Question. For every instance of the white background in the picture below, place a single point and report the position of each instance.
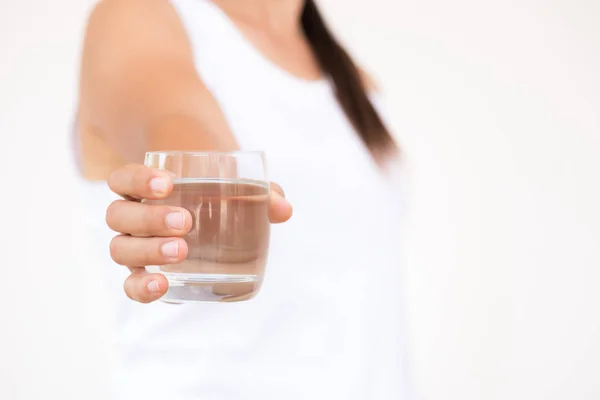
(498, 107)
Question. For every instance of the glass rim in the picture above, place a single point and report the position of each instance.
(233, 153)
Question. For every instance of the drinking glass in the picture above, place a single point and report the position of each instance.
(227, 195)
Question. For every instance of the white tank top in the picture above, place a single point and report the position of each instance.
(327, 323)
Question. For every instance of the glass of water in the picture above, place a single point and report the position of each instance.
(227, 195)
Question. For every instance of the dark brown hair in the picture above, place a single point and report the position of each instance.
(350, 87)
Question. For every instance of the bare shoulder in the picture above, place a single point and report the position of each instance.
(142, 10)
(128, 41)
(125, 25)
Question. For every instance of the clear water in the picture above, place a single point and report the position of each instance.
(228, 243)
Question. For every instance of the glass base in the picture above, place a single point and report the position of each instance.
(194, 288)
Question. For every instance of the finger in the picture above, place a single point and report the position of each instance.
(138, 219)
(129, 250)
(145, 287)
(280, 210)
(276, 188)
(140, 182)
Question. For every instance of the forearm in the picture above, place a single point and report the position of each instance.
(185, 133)
(172, 115)
(139, 88)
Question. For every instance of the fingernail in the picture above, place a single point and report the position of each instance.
(153, 287)
(170, 249)
(176, 220)
(159, 185)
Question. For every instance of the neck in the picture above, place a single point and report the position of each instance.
(279, 16)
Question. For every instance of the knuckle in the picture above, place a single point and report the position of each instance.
(112, 177)
(115, 176)
(140, 179)
(148, 254)
(114, 249)
(155, 219)
(145, 253)
(111, 212)
(128, 287)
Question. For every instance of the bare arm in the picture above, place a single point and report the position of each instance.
(140, 92)
(139, 84)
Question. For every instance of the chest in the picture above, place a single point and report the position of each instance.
(305, 135)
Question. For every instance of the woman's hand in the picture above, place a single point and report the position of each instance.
(151, 234)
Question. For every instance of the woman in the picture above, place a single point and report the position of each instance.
(253, 74)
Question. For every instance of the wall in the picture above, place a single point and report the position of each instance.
(498, 108)
(48, 348)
